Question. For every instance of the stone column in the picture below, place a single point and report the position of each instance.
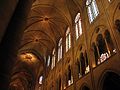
(11, 40)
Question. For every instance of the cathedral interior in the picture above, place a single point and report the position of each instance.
(59, 44)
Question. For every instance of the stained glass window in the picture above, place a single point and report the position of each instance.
(78, 26)
(68, 39)
(40, 79)
(60, 49)
(92, 9)
(53, 59)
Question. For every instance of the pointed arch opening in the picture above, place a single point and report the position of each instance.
(111, 81)
(78, 25)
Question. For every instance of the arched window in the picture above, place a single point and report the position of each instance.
(109, 43)
(48, 60)
(53, 59)
(60, 49)
(82, 65)
(78, 26)
(68, 39)
(92, 9)
(40, 79)
(103, 52)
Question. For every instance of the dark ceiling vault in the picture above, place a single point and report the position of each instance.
(47, 23)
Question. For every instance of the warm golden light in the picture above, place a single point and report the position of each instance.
(28, 57)
(93, 65)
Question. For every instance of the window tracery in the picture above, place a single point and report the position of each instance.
(92, 9)
(103, 47)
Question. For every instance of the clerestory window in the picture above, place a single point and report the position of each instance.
(92, 9)
(68, 39)
(78, 26)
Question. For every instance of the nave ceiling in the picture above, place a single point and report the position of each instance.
(47, 22)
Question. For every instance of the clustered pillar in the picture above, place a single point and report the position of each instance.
(11, 38)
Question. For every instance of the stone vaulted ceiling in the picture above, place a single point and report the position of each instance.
(47, 22)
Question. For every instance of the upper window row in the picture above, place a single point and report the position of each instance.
(68, 44)
(93, 12)
(92, 9)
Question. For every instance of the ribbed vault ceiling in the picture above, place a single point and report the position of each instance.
(47, 22)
